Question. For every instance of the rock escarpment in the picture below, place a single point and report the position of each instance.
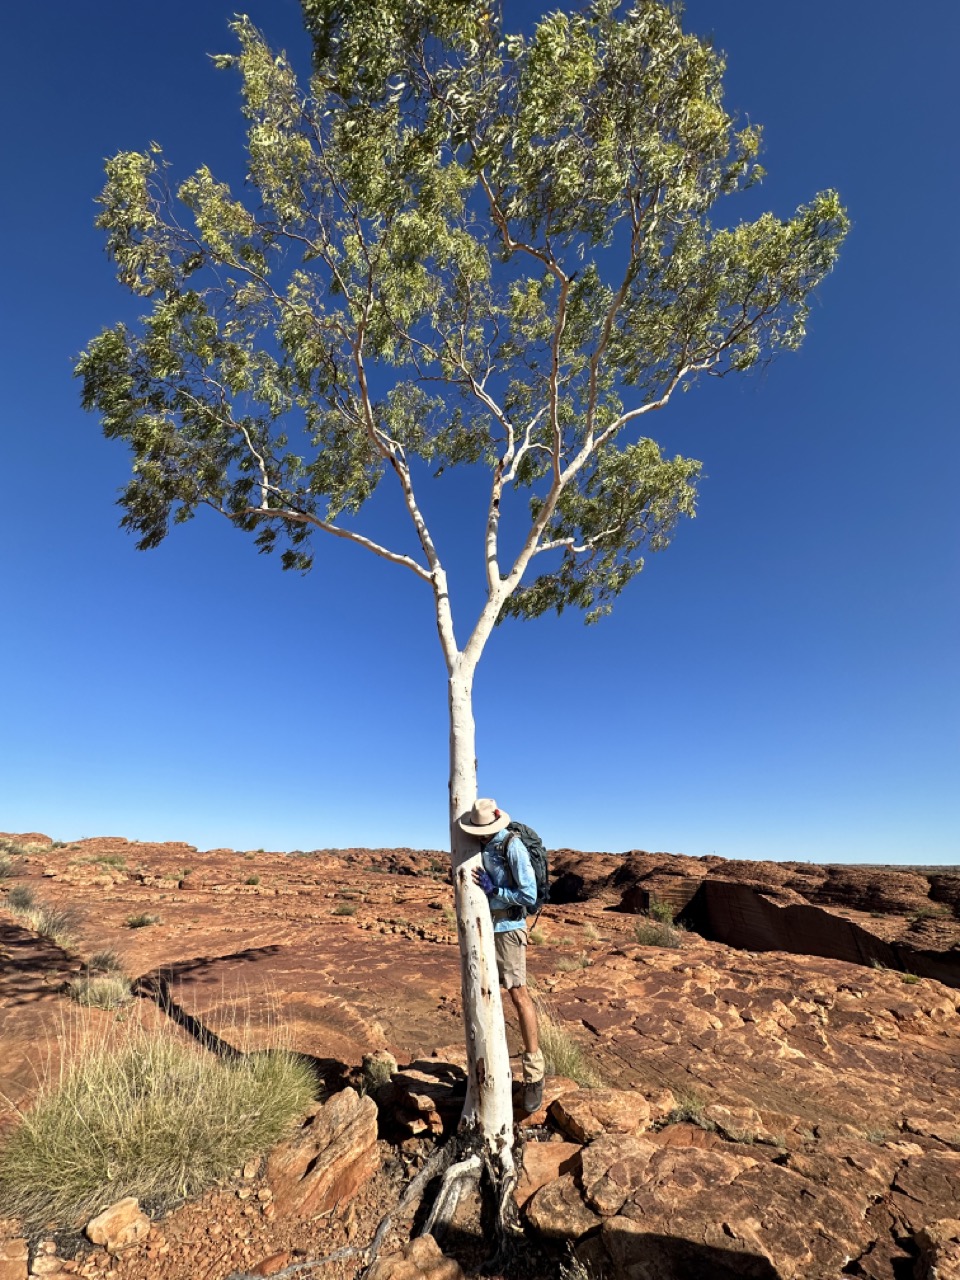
(898, 919)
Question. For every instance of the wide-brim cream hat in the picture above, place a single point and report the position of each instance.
(485, 819)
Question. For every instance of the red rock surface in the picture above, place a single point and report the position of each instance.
(790, 1111)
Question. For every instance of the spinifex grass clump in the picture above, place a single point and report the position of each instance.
(563, 1056)
(650, 932)
(149, 1115)
(56, 923)
(103, 984)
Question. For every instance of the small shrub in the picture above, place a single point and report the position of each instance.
(574, 1269)
(252, 880)
(377, 1071)
(567, 965)
(101, 991)
(929, 913)
(590, 933)
(450, 916)
(690, 1107)
(56, 923)
(655, 933)
(661, 911)
(345, 909)
(6, 865)
(876, 1135)
(562, 1054)
(141, 921)
(537, 937)
(147, 1116)
(909, 978)
(106, 961)
(20, 898)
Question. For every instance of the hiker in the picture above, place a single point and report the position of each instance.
(507, 878)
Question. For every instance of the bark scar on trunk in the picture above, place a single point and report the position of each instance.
(481, 1073)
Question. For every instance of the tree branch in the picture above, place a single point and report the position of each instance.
(305, 517)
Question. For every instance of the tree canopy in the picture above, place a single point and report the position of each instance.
(455, 246)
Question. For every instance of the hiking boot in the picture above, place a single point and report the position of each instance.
(533, 1096)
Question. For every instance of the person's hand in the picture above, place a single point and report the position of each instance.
(481, 878)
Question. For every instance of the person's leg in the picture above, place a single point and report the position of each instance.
(527, 1017)
(513, 967)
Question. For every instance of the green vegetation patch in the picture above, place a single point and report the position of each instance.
(650, 932)
(151, 1117)
(141, 921)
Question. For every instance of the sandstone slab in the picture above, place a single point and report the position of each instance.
(613, 1166)
(588, 1113)
(328, 1160)
(543, 1162)
(557, 1211)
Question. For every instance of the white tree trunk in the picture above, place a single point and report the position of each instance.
(489, 1103)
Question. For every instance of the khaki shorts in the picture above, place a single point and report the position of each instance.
(511, 947)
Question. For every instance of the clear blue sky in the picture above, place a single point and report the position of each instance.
(781, 683)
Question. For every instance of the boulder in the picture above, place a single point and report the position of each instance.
(588, 1113)
(939, 1245)
(330, 1158)
(120, 1227)
(557, 1211)
(542, 1163)
(420, 1259)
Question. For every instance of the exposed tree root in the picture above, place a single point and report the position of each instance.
(455, 1181)
(457, 1176)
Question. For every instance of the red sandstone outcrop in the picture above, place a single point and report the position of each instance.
(763, 1113)
(328, 1160)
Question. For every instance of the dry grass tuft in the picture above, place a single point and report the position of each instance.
(101, 990)
(650, 932)
(20, 898)
(562, 1054)
(141, 921)
(143, 1113)
(56, 923)
(106, 961)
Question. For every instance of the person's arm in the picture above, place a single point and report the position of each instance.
(523, 891)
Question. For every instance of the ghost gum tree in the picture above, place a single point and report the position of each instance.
(455, 247)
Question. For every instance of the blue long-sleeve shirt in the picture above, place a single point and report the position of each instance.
(507, 863)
